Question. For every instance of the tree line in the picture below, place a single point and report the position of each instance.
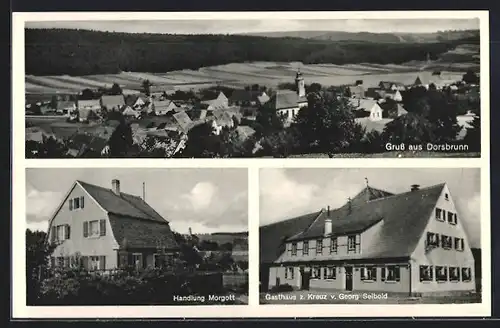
(84, 52)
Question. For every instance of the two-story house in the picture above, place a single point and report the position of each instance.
(412, 243)
(109, 229)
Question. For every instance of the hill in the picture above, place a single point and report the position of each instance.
(83, 52)
(374, 37)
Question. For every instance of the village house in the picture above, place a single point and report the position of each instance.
(109, 229)
(357, 91)
(112, 102)
(128, 111)
(367, 108)
(218, 103)
(162, 107)
(392, 86)
(287, 103)
(412, 243)
(160, 90)
(87, 106)
(65, 107)
(138, 101)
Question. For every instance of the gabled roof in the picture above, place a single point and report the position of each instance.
(112, 101)
(88, 103)
(363, 104)
(185, 123)
(122, 205)
(404, 218)
(284, 99)
(222, 117)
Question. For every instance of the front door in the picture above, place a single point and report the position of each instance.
(348, 278)
(305, 276)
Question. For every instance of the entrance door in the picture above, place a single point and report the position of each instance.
(348, 278)
(305, 276)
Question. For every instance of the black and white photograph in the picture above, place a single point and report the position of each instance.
(138, 236)
(370, 236)
(240, 88)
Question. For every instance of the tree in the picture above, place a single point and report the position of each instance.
(202, 142)
(282, 143)
(121, 140)
(314, 87)
(470, 77)
(146, 87)
(473, 136)
(116, 89)
(268, 119)
(88, 94)
(411, 128)
(443, 117)
(53, 102)
(49, 147)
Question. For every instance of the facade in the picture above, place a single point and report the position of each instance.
(369, 107)
(412, 243)
(112, 102)
(288, 102)
(86, 106)
(108, 229)
(162, 107)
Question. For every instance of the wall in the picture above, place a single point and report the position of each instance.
(440, 256)
(401, 286)
(97, 246)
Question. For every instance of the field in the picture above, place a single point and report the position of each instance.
(238, 75)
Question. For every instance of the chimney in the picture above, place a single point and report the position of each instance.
(328, 222)
(415, 187)
(190, 231)
(116, 186)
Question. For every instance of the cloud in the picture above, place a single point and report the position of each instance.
(34, 226)
(41, 204)
(471, 218)
(200, 197)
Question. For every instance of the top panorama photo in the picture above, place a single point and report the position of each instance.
(325, 88)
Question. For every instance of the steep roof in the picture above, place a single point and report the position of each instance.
(88, 103)
(286, 99)
(122, 205)
(185, 123)
(273, 236)
(112, 101)
(404, 217)
(363, 104)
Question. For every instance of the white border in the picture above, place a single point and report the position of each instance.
(19, 308)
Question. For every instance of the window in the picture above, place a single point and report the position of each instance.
(441, 273)
(444, 215)
(94, 263)
(455, 219)
(433, 239)
(315, 273)
(390, 273)
(446, 242)
(137, 260)
(451, 217)
(330, 272)
(438, 214)
(294, 248)
(333, 245)
(60, 233)
(369, 273)
(75, 203)
(446, 196)
(454, 274)
(351, 243)
(305, 249)
(94, 228)
(319, 246)
(466, 274)
(426, 273)
(459, 244)
(289, 273)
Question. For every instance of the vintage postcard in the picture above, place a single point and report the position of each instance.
(198, 87)
(383, 236)
(113, 236)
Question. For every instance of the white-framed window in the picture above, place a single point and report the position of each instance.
(454, 274)
(446, 242)
(137, 260)
(76, 203)
(333, 245)
(330, 272)
(391, 273)
(369, 273)
(61, 232)
(451, 218)
(426, 273)
(439, 215)
(319, 246)
(289, 273)
(315, 272)
(466, 274)
(432, 239)
(94, 228)
(351, 243)
(305, 247)
(459, 244)
(294, 248)
(441, 273)
(94, 263)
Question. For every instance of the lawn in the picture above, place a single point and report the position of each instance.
(317, 297)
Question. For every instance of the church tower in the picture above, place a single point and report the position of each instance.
(299, 83)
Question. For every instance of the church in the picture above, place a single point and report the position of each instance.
(288, 102)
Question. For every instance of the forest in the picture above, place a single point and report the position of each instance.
(85, 52)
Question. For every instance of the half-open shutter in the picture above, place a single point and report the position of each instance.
(70, 204)
(462, 244)
(397, 271)
(67, 231)
(382, 273)
(102, 227)
(53, 234)
(85, 229)
(82, 204)
(102, 262)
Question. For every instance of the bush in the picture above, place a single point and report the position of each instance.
(281, 288)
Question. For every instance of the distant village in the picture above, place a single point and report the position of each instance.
(162, 117)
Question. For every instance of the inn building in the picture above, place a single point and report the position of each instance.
(412, 243)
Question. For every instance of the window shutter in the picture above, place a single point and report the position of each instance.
(85, 229)
(374, 273)
(444, 215)
(102, 227)
(462, 246)
(102, 262)
(455, 218)
(81, 202)
(70, 204)
(68, 232)
(382, 273)
(85, 262)
(53, 234)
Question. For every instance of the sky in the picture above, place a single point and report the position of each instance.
(207, 200)
(304, 191)
(217, 26)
